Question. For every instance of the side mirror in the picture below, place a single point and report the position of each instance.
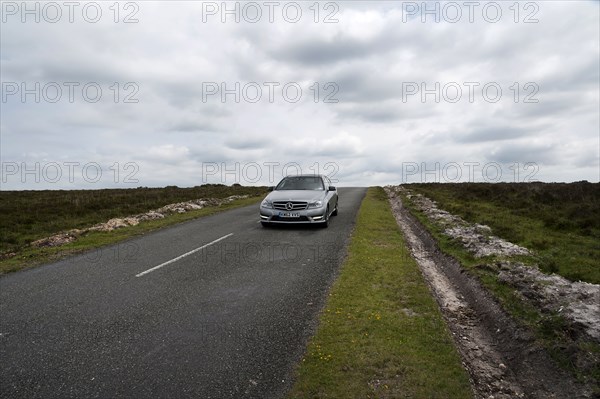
(270, 188)
(332, 188)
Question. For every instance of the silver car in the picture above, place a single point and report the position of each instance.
(300, 199)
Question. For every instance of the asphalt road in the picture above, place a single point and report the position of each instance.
(229, 320)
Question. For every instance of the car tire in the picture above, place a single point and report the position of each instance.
(265, 224)
(325, 224)
(335, 211)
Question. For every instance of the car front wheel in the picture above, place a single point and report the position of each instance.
(325, 224)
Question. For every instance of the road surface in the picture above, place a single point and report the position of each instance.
(217, 307)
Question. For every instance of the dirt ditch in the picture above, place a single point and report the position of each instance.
(578, 302)
(501, 357)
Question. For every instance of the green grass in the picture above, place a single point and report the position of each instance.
(489, 206)
(560, 222)
(27, 256)
(26, 216)
(381, 334)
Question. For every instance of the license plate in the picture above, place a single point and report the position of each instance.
(289, 215)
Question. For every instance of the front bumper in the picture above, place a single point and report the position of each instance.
(306, 216)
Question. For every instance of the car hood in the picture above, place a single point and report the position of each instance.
(297, 195)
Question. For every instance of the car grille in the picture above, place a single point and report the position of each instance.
(295, 205)
(289, 220)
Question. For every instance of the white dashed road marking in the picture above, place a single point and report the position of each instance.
(183, 256)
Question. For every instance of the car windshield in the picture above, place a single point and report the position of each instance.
(301, 183)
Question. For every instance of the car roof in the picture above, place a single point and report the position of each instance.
(314, 175)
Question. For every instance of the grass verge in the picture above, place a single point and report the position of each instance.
(26, 216)
(31, 256)
(381, 334)
(559, 221)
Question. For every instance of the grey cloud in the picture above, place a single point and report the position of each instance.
(246, 143)
(499, 133)
(524, 152)
(364, 84)
(587, 158)
(320, 52)
(331, 153)
(383, 112)
(371, 114)
(193, 126)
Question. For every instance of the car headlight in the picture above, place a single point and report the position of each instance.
(315, 204)
(266, 203)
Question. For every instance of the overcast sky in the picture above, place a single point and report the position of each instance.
(389, 92)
